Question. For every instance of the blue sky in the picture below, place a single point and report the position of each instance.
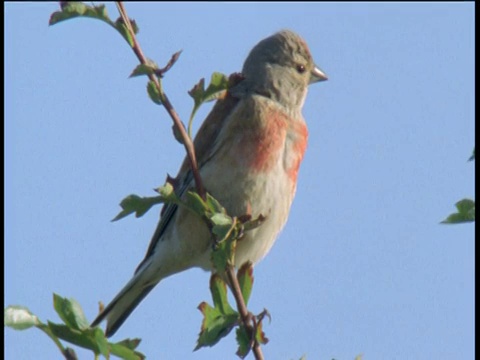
(363, 265)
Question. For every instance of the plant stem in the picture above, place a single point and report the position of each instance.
(187, 141)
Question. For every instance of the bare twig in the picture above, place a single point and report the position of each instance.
(187, 142)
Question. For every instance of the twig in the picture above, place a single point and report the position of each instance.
(187, 142)
(242, 309)
(173, 60)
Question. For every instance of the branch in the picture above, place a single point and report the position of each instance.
(245, 315)
(186, 140)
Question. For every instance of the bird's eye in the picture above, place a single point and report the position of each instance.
(301, 69)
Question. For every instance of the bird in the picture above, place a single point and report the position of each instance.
(249, 150)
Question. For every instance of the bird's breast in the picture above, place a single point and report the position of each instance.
(276, 145)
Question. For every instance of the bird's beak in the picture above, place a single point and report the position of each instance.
(317, 75)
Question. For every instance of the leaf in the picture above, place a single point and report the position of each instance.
(466, 213)
(215, 326)
(85, 338)
(214, 205)
(70, 312)
(245, 280)
(219, 320)
(154, 93)
(132, 344)
(138, 205)
(471, 158)
(122, 28)
(244, 342)
(259, 334)
(195, 203)
(167, 192)
(125, 349)
(177, 133)
(465, 205)
(144, 69)
(95, 340)
(101, 341)
(223, 253)
(218, 84)
(222, 226)
(218, 289)
(19, 318)
(73, 9)
(216, 88)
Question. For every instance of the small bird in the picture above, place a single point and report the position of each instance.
(249, 151)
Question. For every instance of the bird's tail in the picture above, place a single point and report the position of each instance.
(122, 305)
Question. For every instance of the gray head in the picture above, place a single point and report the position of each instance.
(281, 68)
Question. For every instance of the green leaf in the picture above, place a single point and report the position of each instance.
(219, 320)
(144, 69)
(131, 344)
(83, 338)
(465, 205)
(167, 192)
(154, 93)
(138, 205)
(222, 226)
(125, 349)
(101, 341)
(466, 213)
(245, 280)
(177, 133)
(259, 334)
(218, 84)
(219, 219)
(19, 318)
(471, 158)
(214, 205)
(215, 325)
(70, 312)
(223, 253)
(95, 340)
(218, 289)
(244, 342)
(195, 203)
(73, 9)
(123, 30)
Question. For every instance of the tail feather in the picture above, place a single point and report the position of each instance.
(120, 308)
